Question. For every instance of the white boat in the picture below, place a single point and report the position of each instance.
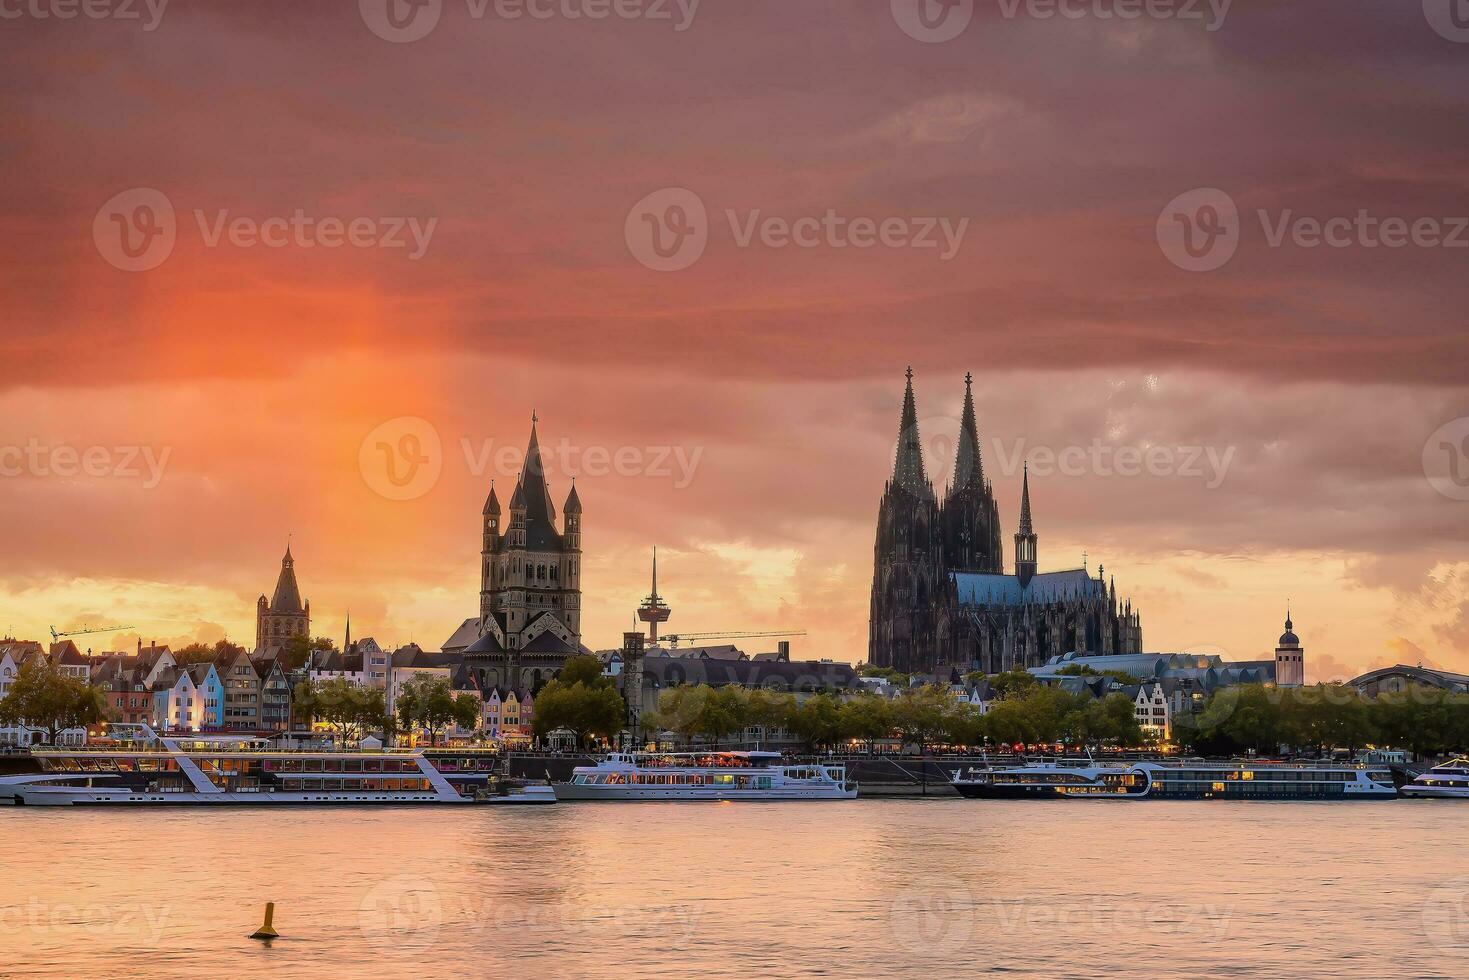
(1179, 780)
(149, 769)
(710, 776)
(1446, 781)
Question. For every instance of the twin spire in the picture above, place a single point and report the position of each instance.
(908, 469)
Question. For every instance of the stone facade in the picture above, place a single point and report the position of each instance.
(530, 583)
(940, 597)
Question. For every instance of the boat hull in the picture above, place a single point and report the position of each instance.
(697, 794)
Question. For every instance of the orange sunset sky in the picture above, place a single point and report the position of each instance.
(752, 397)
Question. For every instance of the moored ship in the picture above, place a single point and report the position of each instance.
(708, 776)
(145, 768)
(1446, 781)
(1184, 780)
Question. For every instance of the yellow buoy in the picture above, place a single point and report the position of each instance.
(266, 930)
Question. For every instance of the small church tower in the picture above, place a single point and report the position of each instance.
(1290, 658)
(284, 615)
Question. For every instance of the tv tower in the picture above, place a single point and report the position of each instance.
(654, 610)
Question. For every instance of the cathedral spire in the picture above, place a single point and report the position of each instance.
(908, 463)
(1025, 539)
(968, 464)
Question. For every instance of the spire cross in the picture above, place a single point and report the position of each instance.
(910, 372)
(968, 378)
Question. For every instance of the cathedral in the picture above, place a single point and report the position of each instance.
(941, 599)
(529, 620)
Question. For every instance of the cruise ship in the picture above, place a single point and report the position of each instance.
(710, 776)
(1446, 781)
(143, 768)
(1185, 780)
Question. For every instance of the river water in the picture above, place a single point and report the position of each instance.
(872, 888)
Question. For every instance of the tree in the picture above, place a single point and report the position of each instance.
(583, 669)
(350, 710)
(45, 697)
(925, 715)
(1012, 682)
(298, 649)
(866, 718)
(586, 707)
(430, 703)
(818, 721)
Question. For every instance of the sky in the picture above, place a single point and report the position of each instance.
(280, 271)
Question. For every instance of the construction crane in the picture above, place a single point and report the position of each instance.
(675, 638)
(55, 636)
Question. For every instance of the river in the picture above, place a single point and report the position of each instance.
(871, 888)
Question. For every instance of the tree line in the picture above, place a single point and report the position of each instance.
(924, 717)
(1257, 718)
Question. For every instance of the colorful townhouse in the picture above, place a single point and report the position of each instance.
(241, 690)
(178, 704)
(211, 690)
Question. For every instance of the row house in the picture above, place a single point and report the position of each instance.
(507, 714)
(241, 684)
(211, 693)
(178, 704)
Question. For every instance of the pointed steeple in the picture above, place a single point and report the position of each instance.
(573, 502)
(347, 642)
(1025, 540)
(968, 463)
(908, 470)
(287, 598)
(1025, 522)
(492, 503)
(533, 494)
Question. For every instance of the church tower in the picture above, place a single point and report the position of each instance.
(969, 517)
(1025, 539)
(907, 579)
(530, 582)
(284, 615)
(1290, 658)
